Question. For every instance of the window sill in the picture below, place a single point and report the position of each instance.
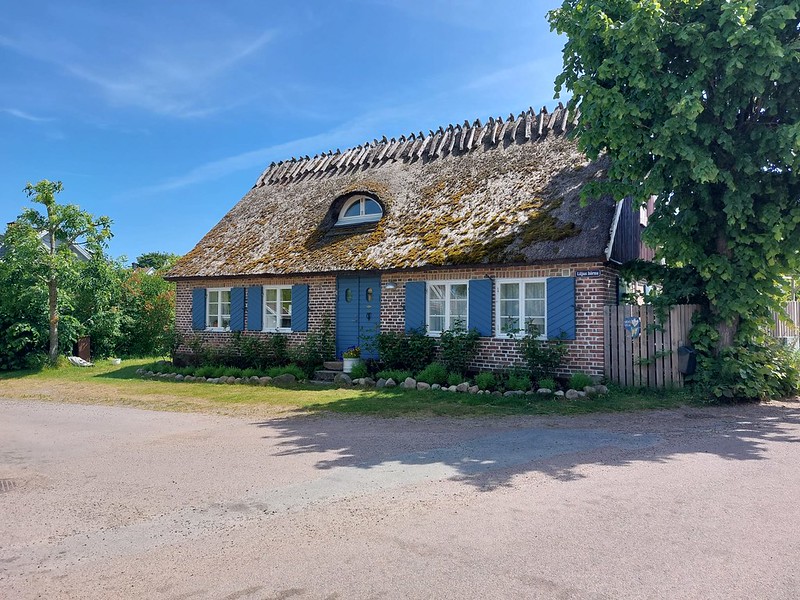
(218, 329)
(278, 330)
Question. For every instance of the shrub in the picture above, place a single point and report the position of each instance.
(458, 348)
(542, 357)
(433, 373)
(751, 372)
(295, 370)
(232, 372)
(411, 351)
(316, 348)
(454, 378)
(397, 375)
(548, 383)
(486, 381)
(578, 381)
(359, 370)
(518, 382)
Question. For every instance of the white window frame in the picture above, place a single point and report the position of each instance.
(219, 314)
(361, 218)
(522, 316)
(279, 314)
(447, 316)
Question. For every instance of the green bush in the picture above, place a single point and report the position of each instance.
(486, 381)
(397, 375)
(548, 383)
(751, 372)
(579, 380)
(454, 378)
(359, 370)
(518, 382)
(317, 347)
(433, 373)
(295, 370)
(458, 348)
(542, 357)
(232, 372)
(411, 351)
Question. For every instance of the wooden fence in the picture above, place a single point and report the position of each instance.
(647, 355)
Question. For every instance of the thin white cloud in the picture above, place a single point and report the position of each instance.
(176, 80)
(21, 114)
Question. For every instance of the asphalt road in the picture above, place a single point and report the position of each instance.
(105, 502)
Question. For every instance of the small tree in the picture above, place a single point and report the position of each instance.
(160, 261)
(63, 226)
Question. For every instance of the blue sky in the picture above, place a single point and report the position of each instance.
(162, 115)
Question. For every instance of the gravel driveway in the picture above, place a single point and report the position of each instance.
(106, 502)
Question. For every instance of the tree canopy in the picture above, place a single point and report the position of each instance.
(697, 103)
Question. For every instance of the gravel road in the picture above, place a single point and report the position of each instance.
(108, 502)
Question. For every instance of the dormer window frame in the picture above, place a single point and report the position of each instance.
(363, 216)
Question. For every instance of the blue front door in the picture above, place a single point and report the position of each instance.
(358, 311)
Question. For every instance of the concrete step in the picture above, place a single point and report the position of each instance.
(325, 375)
(333, 365)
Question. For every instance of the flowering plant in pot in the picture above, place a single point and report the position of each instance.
(350, 357)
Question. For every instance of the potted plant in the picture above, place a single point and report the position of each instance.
(350, 357)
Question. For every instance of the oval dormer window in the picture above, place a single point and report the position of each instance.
(360, 209)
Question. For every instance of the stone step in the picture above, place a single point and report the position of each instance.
(333, 365)
(325, 375)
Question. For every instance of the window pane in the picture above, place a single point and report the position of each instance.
(436, 324)
(509, 325)
(536, 325)
(270, 295)
(286, 294)
(270, 321)
(459, 291)
(436, 308)
(354, 210)
(535, 289)
(371, 207)
(225, 296)
(226, 320)
(437, 291)
(509, 291)
(213, 296)
(534, 308)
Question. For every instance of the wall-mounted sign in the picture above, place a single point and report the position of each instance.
(633, 325)
(587, 273)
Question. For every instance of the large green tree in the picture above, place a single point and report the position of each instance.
(63, 226)
(697, 102)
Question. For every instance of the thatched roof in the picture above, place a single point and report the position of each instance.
(499, 192)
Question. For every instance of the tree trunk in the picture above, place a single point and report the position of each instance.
(53, 293)
(726, 329)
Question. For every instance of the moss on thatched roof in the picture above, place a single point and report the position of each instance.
(499, 192)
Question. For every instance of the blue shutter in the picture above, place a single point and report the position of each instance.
(237, 309)
(561, 308)
(199, 308)
(480, 306)
(300, 307)
(415, 305)
(255, 308)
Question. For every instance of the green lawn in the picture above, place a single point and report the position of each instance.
(119, 385)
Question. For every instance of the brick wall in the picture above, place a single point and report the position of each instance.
(585, 352)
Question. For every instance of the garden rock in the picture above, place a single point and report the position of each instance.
(339, 379)
(452, 388)
(530, 393)
(410, 383)
(436, 386)
(285, 379)
(238, 380)
(462, 387)
(590, 389)
(582, 394)
(380, 383)
(369, 382)
(390, 383)
(601, 389)
(510, 393)
(572, 395)
(473, 389)
(421, 385)
(544, 391)
(178, 377)
(498, 393)
(558, 393)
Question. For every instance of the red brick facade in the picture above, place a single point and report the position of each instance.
(585, 352)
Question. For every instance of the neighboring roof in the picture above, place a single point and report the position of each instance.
(80, 252)
(499, 192)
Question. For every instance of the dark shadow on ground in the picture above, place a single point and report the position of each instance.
(488, 452)
(126, 372)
